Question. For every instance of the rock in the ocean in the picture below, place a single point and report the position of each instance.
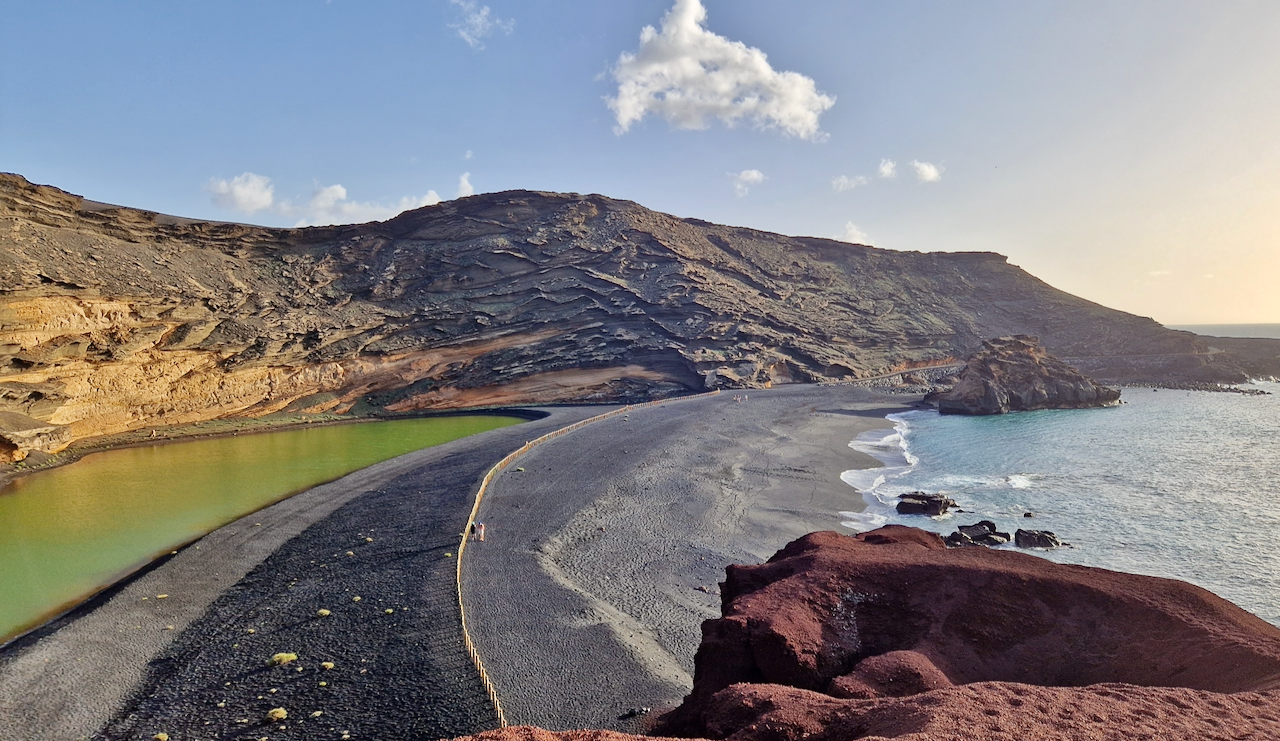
(922, 503)
(1015, 374)
(981, 533)
(1036, 539)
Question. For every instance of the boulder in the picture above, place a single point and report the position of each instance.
(1015, 373)
(981, 533)
(922, 503)
(1036, 539)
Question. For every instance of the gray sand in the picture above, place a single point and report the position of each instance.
(603, 555)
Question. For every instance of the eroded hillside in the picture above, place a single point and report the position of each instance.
(114, 319)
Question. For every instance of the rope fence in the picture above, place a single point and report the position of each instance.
(475, 511)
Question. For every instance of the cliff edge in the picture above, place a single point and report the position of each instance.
(892, 635)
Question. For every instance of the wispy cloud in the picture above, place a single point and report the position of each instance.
(927, 172)
(250, 193)
(843, 182)
(853, 234)
(478, 22)
(888, 169)
(687, 75)
(743, 181)
(464, 186)
(247, 192)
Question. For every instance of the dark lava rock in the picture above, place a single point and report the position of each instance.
(981, 533)
(921, 503)
(1036, 539)
(1012, 374)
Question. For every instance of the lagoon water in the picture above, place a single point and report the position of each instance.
(1175, 484)
(67, 532)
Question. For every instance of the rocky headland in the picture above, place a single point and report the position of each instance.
(114, 319)
(891, 634)
(1016, 374)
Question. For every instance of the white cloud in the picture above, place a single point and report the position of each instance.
(888, 169)
(928, 173)
(743, 181)
(329, 205)
(468, 155)
(250, 193)
(853, 234)
(842, 183)
(246, 192)
(687, 74)
(464, 186)
(478, 22)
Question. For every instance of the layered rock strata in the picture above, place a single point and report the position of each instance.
(115, 319)
(1016, 374)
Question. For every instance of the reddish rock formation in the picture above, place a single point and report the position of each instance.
(839, 637)
(1015, 374)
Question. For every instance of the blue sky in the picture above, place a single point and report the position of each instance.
(1126, 152)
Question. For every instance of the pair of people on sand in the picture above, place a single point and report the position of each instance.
(477, 531)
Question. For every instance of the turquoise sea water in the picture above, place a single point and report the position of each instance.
(1176, 484)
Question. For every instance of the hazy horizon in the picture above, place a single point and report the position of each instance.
(1123, 154)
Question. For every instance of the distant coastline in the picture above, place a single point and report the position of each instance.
(1268, 331)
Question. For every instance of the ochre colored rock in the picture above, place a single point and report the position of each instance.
(1016, 374)
(840, 637)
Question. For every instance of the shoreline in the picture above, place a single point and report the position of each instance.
(233, 426)
(71, 608)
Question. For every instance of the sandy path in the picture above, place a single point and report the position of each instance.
(604, 554)
(119, 660)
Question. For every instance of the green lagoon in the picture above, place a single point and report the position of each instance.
(68, 532)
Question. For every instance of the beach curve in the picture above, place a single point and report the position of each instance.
(605, 546)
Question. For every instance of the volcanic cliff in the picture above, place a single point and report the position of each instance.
(115, 319)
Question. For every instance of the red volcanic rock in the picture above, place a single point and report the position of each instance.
(531, 733)
(838, 637)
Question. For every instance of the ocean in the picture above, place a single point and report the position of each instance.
(1177, 484)
(1271, 331)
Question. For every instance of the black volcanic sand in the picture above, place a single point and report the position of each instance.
(144, 665)
(603, 555)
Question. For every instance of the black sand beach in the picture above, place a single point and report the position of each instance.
(576, 624)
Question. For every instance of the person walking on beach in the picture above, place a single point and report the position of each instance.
(481, 531)
(473, 530)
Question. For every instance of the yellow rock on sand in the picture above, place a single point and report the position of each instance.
(323, 612)
(161, 737)
(277, 714)
(326, 665)
(282, 658)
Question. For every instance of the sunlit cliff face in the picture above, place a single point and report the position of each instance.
(113, 320)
